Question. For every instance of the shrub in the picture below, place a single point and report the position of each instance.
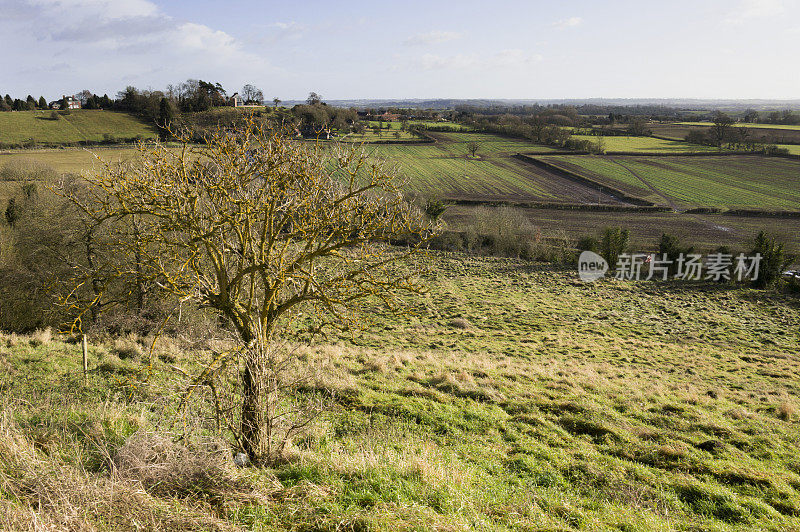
(613, 243)
(27, 170)
(773, 260)
(434, 208)
(587, 243)
(508, 231)
(669, 245)
(12, 212)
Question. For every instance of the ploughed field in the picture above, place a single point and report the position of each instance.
(706, 232)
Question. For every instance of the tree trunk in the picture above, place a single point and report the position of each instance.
(253, 414)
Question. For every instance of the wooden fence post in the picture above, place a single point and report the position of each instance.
(85, 349)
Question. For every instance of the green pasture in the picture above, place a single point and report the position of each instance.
(721, 181)
(514, 398)
(643, 144)
(22, 127)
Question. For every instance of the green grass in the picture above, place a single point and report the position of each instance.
(729, 181)
(514, 399)
(446, 168)
(70, 160)
(77, 126)
(426, 123)
(644, 144)
(371, 136)
(794, 149)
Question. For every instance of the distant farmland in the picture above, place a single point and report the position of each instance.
(40, 127)
(685, 182)
(705, 232)
(771, 133)
(644, 144)
(446, 169)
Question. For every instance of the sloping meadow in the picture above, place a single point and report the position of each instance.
(515, 397)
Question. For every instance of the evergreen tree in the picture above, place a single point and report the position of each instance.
(166, 114)
(8, 100)
(42, 103)
(30, 103)
(3, 105)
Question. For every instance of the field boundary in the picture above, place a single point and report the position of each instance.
(583, 180)
(596, 207)
(744, 213)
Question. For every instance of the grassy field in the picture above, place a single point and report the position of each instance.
(644, 144)
(446, 169)
(71, 160)
(794, 149)
(768, 133)
(685, 182)
(515, 399)
(78, 126)
(442, 169)
(425, 123)
(371, 136)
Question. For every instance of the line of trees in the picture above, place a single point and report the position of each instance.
(28, 104)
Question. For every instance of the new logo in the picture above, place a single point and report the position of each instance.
(591, 266)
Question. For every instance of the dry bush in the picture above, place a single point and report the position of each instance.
(49, 495)
(460, 323)
(41, 337)
(462, 384)
(787, 411)
(128, 347)
(167, 469)
(27, 170)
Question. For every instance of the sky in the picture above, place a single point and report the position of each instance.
(381, 49)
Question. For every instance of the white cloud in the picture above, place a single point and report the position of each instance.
(570, 22)
(747, 10)
(432, 37)
(103, 9)
(510, 58)
(105, 41)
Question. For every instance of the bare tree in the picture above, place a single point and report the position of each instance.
(84, 96)
(262, 229)
(252, 94)
(313, 98)
(722, 126)
(473, 147)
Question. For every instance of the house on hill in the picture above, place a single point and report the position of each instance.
(71, 102)
(238, 101)
(390, 117)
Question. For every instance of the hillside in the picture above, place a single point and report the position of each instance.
(40, 128)
(516, 398)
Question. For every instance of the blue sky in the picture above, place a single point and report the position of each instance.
(411, 49)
